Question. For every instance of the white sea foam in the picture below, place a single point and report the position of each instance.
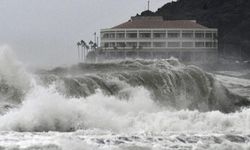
(12, 71)
(46, 110)
(100, 121)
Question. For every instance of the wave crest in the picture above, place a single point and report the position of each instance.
(14, 80)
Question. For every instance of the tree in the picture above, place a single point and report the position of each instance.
(87, 47)
(91, 44)
(78, 48)
(94, 46)
(83, 44)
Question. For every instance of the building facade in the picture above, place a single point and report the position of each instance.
(153, 37)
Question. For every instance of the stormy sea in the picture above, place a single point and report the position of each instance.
(122, 105)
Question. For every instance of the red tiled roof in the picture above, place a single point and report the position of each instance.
(158, 22)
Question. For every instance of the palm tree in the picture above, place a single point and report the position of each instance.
(91, 44)
(87, 47)
(87, 50)
(94, 46)
(83, 44)
(78, 48)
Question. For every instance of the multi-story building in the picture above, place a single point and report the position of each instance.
(153, 37)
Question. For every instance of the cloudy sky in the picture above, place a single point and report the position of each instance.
(44, 32)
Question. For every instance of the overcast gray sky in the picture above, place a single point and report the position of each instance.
(44, 32)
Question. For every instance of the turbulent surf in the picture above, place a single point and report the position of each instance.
(130, 104)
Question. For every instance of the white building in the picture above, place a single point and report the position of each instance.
(153, 37)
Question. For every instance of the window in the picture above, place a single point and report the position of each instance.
(159, 35)
(173, 35)
(121, 44)
(145, 35)
(120, 35)
(199, 35)
(209, 35)
(144, 44)
(209, 44)
(187, 34)
(131, 35)
(106, 45)
(112, 44)
(108, 35)
(132, 44)
(199, 44)
(159, 44)
(105, 35)
(187, 44)
(173, 44)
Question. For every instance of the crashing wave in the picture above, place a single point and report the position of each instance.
(170, 83)
(117, 96)
(14, 81)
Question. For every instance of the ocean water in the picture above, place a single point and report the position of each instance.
(124, 105)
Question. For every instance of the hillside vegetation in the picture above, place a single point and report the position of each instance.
(231, 17)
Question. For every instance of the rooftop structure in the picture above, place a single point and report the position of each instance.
(153, 37)
(158, 23)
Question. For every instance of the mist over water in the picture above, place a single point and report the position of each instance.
(134, 104)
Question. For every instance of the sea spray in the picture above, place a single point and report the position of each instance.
(169, 83)
(112, 96)
(47, 110)
(135, 104)
(14, 80)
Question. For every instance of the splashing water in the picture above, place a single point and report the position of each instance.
(136, 104)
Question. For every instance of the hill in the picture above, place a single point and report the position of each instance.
(231, 17)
